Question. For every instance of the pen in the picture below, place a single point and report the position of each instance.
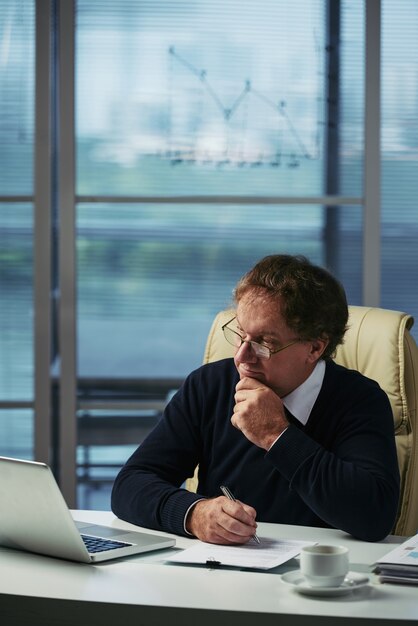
(228, 493)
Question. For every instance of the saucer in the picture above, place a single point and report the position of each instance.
(352, 581)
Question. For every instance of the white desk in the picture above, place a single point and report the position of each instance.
(145, 590)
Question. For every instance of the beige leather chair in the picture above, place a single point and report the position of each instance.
(378, 344)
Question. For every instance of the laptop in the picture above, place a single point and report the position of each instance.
(35, 518)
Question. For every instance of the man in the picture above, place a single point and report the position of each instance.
(297, 438)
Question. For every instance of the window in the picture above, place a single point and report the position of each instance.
(206, 134)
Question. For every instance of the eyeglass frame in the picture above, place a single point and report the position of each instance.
(255, 343)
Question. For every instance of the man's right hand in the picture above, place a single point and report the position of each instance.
(220, 520)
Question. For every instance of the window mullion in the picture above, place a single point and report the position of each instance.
(67, 276)
(371, 215)
(42, 234)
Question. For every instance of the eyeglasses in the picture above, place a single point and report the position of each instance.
(260, 350)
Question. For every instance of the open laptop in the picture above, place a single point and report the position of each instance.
(34, 517)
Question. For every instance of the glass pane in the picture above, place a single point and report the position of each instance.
(350, 252)
(152, 277)
(106, 438)
(400, 156)
(351, 98)
(16, 433)
(16, 312)
(17, 79)
(200, 97)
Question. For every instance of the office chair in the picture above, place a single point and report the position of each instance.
(379, 345)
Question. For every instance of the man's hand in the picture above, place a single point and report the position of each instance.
(220, 520)
(258, 412)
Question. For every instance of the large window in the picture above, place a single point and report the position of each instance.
(205, 135)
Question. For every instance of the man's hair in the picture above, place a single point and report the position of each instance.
(313, 302)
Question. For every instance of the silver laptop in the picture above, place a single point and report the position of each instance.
(34, 517)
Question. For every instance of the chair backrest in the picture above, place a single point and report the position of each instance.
(379, 345)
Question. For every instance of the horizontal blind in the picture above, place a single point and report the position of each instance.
(17, 35)
(17, 80)
(400, 156)
(187, 98)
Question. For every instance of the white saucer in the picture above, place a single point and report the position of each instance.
(352, 581)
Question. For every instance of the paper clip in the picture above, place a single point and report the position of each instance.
(211, 562)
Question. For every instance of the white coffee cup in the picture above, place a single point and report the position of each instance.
(324, 565)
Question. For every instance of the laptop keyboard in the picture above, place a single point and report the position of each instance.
(99, 544)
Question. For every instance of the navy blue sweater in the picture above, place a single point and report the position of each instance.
(340, 470)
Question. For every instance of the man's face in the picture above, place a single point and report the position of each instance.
(259, 319)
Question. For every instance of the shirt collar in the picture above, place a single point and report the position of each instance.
(301, 400)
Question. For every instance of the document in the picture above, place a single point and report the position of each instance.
(265, 555)
(400, 564)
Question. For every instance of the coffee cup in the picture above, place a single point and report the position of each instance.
(324, 565)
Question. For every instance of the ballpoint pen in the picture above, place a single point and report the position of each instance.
(228, 493)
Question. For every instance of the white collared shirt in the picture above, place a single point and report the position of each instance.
(301, 400)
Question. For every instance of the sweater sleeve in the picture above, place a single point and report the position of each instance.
(148, 489)
(350, 479)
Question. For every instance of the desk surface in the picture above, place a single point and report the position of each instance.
(145, 589)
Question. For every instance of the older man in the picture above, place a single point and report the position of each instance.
(297, 438)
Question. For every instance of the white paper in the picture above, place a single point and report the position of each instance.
(265, 555)
(404, 554)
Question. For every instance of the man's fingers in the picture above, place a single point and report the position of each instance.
(248, 383)
(220, 520)
(238, 523)
(239, 511)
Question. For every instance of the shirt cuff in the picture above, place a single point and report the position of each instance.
(277, 439)
(187, 513)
